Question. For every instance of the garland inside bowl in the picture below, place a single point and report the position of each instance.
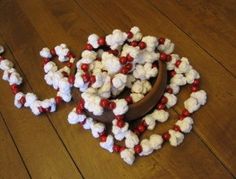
(108, 65)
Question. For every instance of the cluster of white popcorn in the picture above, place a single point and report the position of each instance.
(109, 80)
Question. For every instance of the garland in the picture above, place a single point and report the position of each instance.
(108, 65)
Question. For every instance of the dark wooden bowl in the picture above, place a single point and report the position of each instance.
(142, 107)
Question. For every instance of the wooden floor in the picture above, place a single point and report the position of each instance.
(48, 147)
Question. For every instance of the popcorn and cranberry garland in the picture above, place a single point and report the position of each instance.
(128, 60)
(58, 78)
(107, 66)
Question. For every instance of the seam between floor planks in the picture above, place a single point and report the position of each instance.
(12, 139)
(205, 50)
(203, 141)
(47, 116)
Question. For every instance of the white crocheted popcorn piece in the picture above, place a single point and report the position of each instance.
(17, 102)
(145, 72)
(119, 133)
(6, 64)
(93, 40)
(136, 97)
(65, 96)
(53, 78)
(74, 118)
(176, 137)
(7, 73)
(185, 124)
(175, 88)
(146, 86)
(116, 39)
(200, 95)
(137, 35)
(49, 104)
(105, 90)
(139, 72)
(149, 57)
(150, 121)
(49, 78)
(137, 87)
(119, 81)
(97, 129)
(87, 54)
(35, 106)
(167, 47)
(108, 144)
(96, 67)
(30, 98)
(142, 87)
(15, 78)
(146, 147)
(121, 107)
(128, 156)
(50, 66)
(178, 79)
(88, 123)
(171, 64)
(133, 52)
(62, 51)
(45, 53)
(184, 66)
(160, 115)
(150, 71)
(191, 104)
(151, 42)
(191, 75)
(110, 63)
(92, 103)
(172, 99)
(131, 139)
(156, 141)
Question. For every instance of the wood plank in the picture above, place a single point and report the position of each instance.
(85, 155)
(38, 143)
(11, 164)
(211, 24)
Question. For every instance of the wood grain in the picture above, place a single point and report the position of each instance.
(10, 160)
(30, 26)
(211, 24)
